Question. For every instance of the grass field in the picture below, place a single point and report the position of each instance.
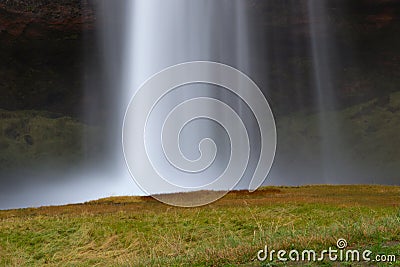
(139, 231)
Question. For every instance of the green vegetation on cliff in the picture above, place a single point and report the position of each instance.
(31, 138)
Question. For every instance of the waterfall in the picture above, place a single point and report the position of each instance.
(160, 34)
(323, 53)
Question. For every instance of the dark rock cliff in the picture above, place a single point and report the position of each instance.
(38, 19)
(43, 51)
(45, 47)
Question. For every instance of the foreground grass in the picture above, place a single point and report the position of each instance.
(138, 231)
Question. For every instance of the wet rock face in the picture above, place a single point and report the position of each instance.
(43, 52)
(45, 46)
(41, 18)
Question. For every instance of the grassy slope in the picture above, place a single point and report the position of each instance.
(364, 140)
(32, 138)
(135, 231)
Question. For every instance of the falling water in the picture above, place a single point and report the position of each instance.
(143, 37)
(160, 34)
(324, 56)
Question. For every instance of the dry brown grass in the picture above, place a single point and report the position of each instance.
(139, 231)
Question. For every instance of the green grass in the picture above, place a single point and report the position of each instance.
(139, 231)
